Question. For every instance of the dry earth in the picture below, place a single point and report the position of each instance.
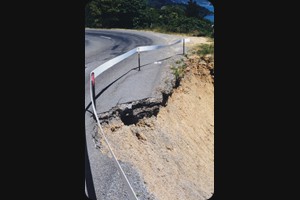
(174, 151)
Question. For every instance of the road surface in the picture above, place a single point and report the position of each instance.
(125, 84)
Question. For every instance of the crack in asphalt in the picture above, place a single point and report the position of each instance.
(107, 182)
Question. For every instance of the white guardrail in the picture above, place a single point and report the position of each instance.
(96, 72)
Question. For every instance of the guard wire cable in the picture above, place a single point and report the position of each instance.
(100, 69)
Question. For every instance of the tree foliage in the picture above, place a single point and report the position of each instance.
(139, 14)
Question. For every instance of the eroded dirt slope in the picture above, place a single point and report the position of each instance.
(174, 151)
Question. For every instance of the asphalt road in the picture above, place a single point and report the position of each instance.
(125, 84)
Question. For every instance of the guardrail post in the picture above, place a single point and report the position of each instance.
(183, 41)
(100, 69)
(139, 59)
(93, 88)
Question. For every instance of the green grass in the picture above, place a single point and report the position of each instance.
(178, 62)
(178, 71)
(205, 49)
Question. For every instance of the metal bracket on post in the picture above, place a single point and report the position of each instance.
(93, 88)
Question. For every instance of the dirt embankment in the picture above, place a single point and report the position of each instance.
(174, 151)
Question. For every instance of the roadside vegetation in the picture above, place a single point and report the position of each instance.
(161, 16)
(205, 49)
(178, 71)
(201, 51)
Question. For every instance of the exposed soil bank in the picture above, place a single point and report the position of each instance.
(171, 144)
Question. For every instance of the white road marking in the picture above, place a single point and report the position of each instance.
(106, 37)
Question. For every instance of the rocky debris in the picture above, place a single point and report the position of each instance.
(170, 139)
(132, 112)
(141, 136)
(169, 147)
(202, 66)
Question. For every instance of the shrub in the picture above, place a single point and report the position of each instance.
(206, 49)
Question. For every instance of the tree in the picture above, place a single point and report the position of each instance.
(102, 13)
(130, 12)
(136, 14)
(192, 9)
(114, 13)
(93, 14)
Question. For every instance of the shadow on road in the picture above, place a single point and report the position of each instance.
(88, 174)
(135, 68)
